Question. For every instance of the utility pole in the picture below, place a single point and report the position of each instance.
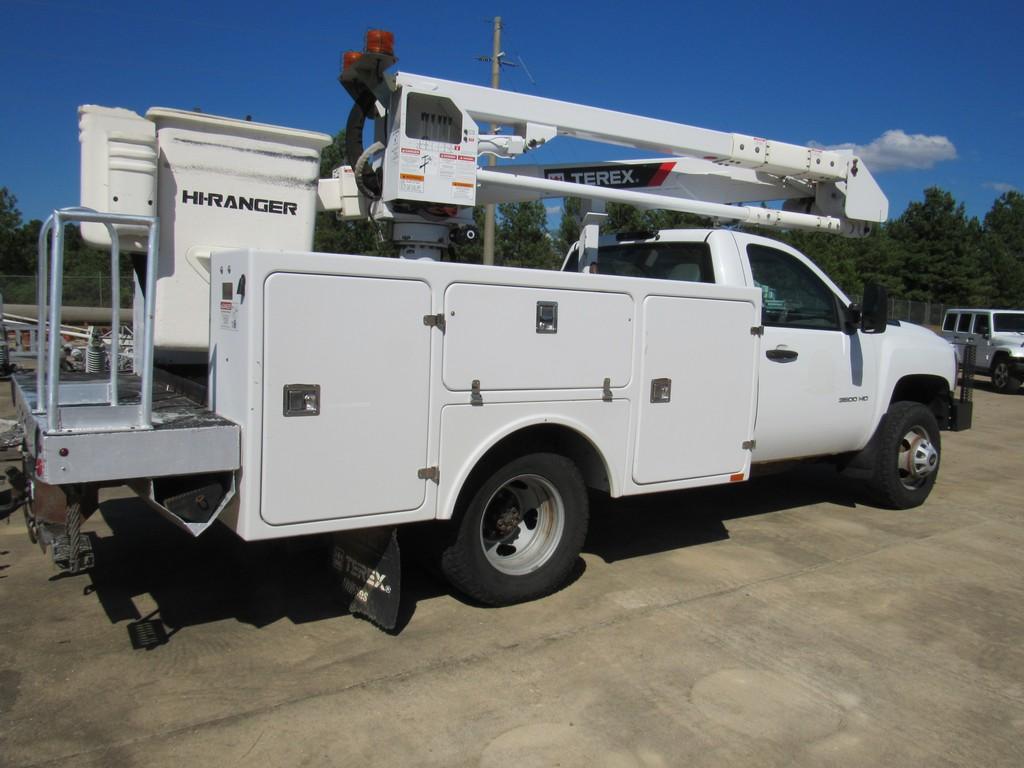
(492, 160)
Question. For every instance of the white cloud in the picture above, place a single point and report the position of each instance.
(1000, 186)
(553, 210)
(896, 150)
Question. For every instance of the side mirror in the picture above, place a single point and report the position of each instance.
(874, 309)
(853, 317)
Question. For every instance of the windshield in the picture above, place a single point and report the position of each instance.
(667, 261)
(1008, 322)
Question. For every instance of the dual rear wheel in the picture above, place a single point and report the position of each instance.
(521, 533)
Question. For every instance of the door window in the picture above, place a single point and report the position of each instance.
(981, 324)
(792, 295)
(1010, 322)
(950, 323)
(964, 326)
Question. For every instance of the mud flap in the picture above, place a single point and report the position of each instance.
(961, 411)
(369, 572)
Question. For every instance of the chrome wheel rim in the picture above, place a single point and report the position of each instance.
(917, 458)
(522, 524)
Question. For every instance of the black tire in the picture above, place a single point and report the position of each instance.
(1003, 380)
(907, 456)
(519, 536)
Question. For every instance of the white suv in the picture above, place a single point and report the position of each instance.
(998, 338)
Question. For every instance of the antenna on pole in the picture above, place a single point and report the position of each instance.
(527, 71)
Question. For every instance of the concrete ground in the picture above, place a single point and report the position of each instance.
(784, 622)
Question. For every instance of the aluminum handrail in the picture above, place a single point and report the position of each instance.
(48, 361)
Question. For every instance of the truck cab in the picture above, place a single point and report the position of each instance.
(825, 377)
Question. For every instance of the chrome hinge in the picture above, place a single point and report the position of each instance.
(475, 398)
(429, 473)
(435, 321)
(749, 445)
(606, 391)
(757, 330)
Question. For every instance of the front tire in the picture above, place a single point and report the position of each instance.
(1003, 381)
(907, 459)
(521, 533)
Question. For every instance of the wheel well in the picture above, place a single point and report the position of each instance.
(997, 357)
(932, 391)
(550, 438)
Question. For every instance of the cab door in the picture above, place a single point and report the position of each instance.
(964, 336)
(817, 384)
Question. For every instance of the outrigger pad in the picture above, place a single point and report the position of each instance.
(369, 568)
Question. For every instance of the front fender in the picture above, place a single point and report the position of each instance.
(909, 352)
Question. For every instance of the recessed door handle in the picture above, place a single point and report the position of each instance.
(781, 355)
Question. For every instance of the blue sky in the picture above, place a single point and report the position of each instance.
(931, 92)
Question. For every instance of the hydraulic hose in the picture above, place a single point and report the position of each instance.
(367, 179)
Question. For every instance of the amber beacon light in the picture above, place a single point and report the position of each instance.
(380, 41)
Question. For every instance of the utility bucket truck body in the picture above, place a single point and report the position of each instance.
(346, 394)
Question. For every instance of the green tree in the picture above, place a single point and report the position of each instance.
(1003, 241)
(570, 225)
(626, 218)
(522, 238)
(941, 250)
(13, 258)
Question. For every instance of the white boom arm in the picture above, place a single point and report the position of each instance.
(831, 176)
(431, 144)
(628, 130)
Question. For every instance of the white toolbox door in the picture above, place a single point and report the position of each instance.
(363, 342)
(497, 334)
(707, 354)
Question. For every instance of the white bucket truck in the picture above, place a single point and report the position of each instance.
(348, 394)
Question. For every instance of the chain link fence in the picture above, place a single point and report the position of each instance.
(928, 313)
(79, 291)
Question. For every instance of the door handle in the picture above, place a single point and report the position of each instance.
(781, 355)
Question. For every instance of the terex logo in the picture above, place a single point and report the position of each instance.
(238, 202)
(618, 176)
(614, 178)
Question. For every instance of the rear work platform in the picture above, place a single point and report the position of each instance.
(182, 462)
(185, 438)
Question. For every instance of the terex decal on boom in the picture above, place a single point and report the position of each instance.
(619, 176)
(240, 202)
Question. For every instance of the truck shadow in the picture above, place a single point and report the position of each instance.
(643, 525)
(217, 576)
(195, 581)
(985, 385)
